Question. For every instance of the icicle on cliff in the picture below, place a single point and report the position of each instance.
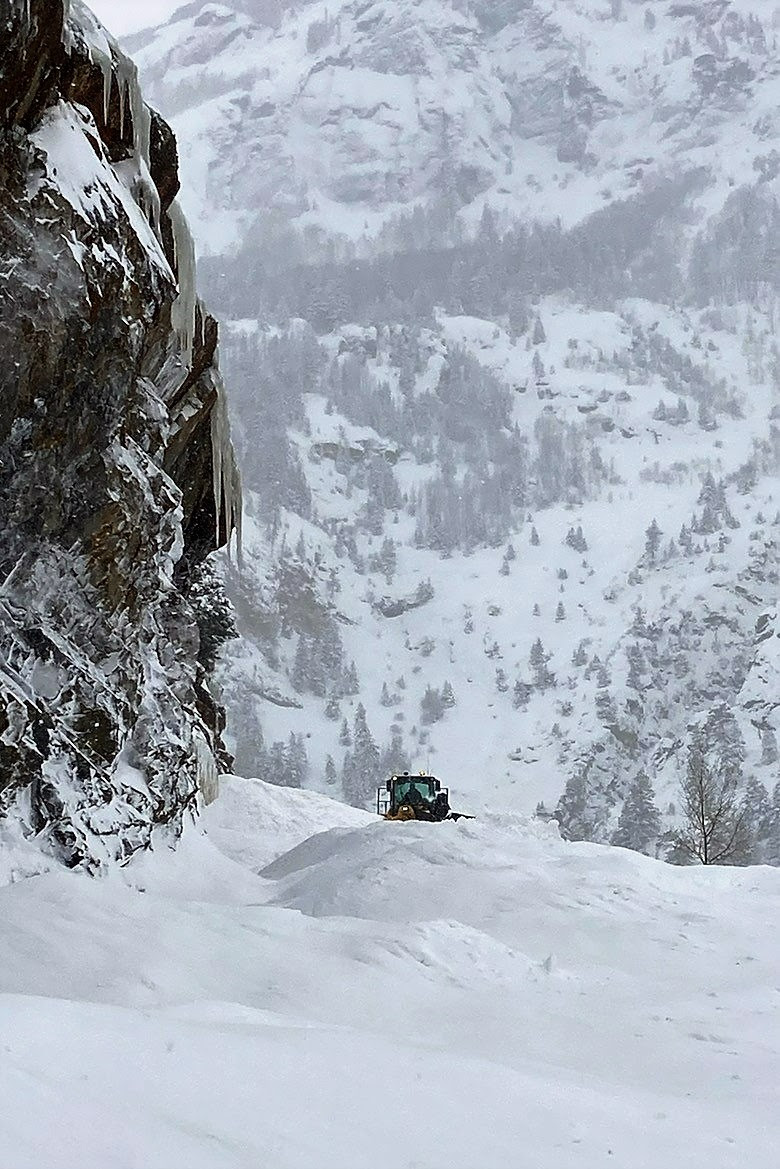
(117, 476)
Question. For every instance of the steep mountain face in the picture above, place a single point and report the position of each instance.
(113, 448)
(341, 117)
(504, 286)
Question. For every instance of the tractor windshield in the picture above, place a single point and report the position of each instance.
(423, 786)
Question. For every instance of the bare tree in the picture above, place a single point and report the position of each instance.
(715, 829)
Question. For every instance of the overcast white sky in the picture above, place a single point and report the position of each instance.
(125, 16)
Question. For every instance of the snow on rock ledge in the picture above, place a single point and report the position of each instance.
(113, 444)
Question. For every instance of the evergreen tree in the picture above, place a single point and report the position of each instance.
(345, 738)
(362, 770)
(723, 741)
(772, 845)
(537, 367)
(639, 822)
(327, 655)
(685, 540)
(576, 540)
(276, 765)
(395, 759)
(330, 771)
(758, 818)
(769, 752)
(432, 706)
(560, 612)
(518, 315)
(652, 541)
(448, 695)
(301, 664)
(350, 684)
(521, 694)
(636, 668)
(296, 761)
(639, 624)
(332, 708)
(534, 537)
(580, 655)
(537, 660)
(574, 812)
(213, 613)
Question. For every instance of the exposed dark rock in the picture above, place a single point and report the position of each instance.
(397, 606)
(112, 419)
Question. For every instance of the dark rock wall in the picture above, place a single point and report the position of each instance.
(111, 412)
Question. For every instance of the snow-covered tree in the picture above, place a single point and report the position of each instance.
(213, 613)
(575, 811)
(576, 540)
(639, 823)
(543, 678)
(653, 541)
(432, 706)
(296, 761)
(362, 765)
(580, 655)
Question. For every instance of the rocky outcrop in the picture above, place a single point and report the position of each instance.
(113, 448)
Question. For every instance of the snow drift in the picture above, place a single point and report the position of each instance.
(456, 995)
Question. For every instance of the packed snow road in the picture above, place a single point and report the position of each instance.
(477, 995)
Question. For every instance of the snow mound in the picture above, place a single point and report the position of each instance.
(253, 822)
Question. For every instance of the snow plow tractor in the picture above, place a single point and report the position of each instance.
(415, 797)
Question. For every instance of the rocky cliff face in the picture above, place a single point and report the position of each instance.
(113, 448)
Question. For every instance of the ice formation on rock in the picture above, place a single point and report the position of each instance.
(183, 310)
(110, 492)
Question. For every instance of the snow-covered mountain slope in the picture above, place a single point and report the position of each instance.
(641, 643)
(503, 281)
(473, 995)
(344, 114)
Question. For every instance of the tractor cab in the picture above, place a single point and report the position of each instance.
(413, 797)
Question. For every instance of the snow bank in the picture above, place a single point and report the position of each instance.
(254, 822)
